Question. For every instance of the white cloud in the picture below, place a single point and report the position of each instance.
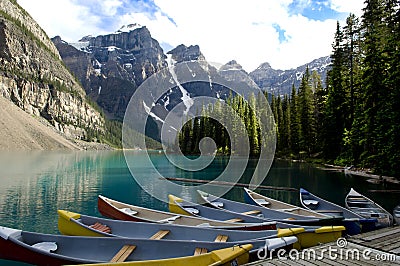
(109, 7)
(348, 6)
(224, 29)
(62, 17)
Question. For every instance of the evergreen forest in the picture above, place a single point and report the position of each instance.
(353, 120)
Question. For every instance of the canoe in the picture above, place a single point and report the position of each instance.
(308, 236)
(225, 257)
(396, 214)
(367, 208)
(123, 211)
(46, 249)
(254, 198)
(265, 214)
(354, 223)
(70, 223)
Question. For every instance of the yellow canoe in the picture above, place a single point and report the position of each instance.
(236, 255)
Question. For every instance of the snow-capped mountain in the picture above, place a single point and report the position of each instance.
(111, 68)
(279, 82)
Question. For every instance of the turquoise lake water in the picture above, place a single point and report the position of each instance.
(34, 185)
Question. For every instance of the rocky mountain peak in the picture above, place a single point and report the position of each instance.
(280, 82)
(264, 66)
(112, 66)
(86, 38)
(129, 27)
(183, 53)
(232, 65)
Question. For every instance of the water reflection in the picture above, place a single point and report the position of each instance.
(34, 185)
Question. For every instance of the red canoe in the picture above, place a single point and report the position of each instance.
(122, 211)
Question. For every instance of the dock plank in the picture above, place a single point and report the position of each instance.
(380, 235)
(384, 242)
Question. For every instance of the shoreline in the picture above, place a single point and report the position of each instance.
(370, 177)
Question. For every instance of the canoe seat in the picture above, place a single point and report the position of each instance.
(170, 219)
(311, 202)
(128, 211)
(101, 227)
(192, 210)
(262, 202)
(217, 204)
(160, 234)
(356, 197)
(221, 238)
(252, 212)
(358, 201)
(234, 220)
(46, 246)
(123, 253)
(199, 251)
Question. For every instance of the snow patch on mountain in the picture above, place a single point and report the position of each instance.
(150, 113)
(129, 27)
(187, 100)
(81, 46)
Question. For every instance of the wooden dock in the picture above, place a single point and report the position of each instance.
(380, 247)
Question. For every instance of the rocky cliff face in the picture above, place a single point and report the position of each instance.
(34, 78)
(279, 82)
(112, 66)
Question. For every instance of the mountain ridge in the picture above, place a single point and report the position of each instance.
(279, 82)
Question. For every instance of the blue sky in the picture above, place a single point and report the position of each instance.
(285, 33)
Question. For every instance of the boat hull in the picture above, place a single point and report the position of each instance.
(238, 254)
(46, 249)
(322, 235)
(108, 210)
(368, 209)
(265, 214)
(11, 251)
(251, 197)
(307, 236)
(396, 214)
(225, 257)
(75, 224)
(354, 223)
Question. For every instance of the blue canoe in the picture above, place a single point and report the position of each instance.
(368, 209)
(354, 223)
(267, 214)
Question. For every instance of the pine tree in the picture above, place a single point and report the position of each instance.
(294, 123)
(391, 147)
(286, 134)
(306, 115)
(375, 63)
(319, 101)
(335, 108)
